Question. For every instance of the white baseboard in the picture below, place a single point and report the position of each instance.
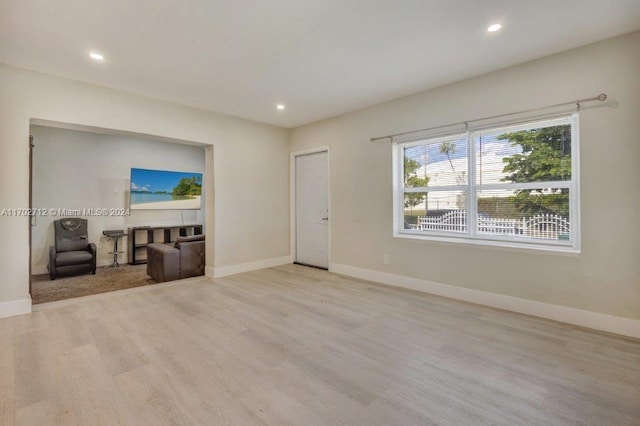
(223, 271)
(209, 271)
(15, 307)
(594, 320)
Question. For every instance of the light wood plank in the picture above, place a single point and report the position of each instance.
(296, 345)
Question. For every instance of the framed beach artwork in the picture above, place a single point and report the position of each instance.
(165, 190)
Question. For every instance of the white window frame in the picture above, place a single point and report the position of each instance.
(471, 189)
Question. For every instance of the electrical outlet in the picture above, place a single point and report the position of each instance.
(385, 259)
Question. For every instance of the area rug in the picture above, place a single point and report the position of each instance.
(106, 279)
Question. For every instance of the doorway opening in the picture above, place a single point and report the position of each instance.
(85, 173)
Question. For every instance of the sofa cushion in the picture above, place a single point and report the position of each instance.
(75, 243)
(70, 234)
(192, 261)
(73, 258)
(163, 262)
(189, 239)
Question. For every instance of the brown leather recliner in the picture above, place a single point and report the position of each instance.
(184, 259)
(72, 253)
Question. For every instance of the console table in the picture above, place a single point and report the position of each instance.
(141, 236)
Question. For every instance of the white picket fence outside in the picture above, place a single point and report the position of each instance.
(544, 226)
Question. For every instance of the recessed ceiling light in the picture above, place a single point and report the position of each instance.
(493, 28)
(96, 56)
(280, 107)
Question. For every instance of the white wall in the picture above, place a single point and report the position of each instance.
(604, 278)
(247, 219)
(83, 170)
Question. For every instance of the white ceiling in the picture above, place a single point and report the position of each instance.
(319, 57)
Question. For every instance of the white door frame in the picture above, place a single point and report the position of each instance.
(292, 197)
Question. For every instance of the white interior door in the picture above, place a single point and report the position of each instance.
(312, 209)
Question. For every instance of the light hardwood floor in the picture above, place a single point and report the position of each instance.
(300, 346)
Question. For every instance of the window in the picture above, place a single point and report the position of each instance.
(511, 186)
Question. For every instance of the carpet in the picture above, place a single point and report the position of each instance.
(106, 279)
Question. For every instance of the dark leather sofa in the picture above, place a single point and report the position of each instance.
(72, 253)
(183, 259)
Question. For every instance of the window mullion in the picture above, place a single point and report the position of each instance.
(526, 185)
(472, 205)
(398, 190)
(574, 192)
(414, 189)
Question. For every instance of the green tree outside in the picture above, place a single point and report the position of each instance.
(412, 180)
(546, 156)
